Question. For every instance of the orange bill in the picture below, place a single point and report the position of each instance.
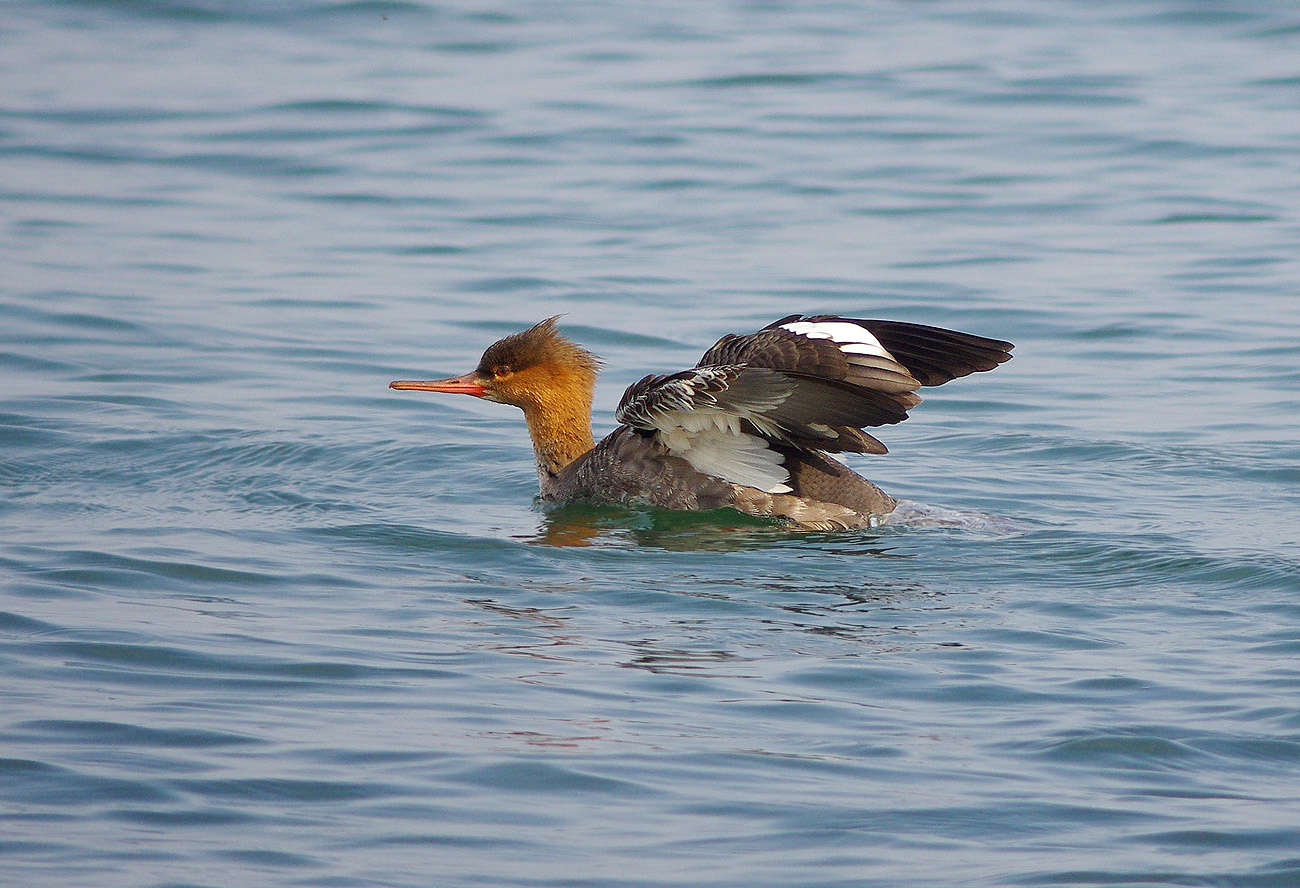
(468, 384)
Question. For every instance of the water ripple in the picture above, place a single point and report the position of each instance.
(265, 621)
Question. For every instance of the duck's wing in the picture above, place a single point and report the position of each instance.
(863, 352)
(804, 383)
(717, 419)
(854, 373)
(932, 355)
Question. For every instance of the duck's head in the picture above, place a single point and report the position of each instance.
(538, 369)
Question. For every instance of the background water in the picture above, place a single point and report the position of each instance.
(265, 622)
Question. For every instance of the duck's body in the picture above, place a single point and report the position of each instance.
(632, 469)
(748, 428)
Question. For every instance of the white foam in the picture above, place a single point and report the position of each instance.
(912, 514)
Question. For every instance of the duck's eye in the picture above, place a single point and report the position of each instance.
(500, 371)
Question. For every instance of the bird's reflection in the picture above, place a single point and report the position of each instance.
(722, 530)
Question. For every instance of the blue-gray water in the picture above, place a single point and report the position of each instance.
(265, 622)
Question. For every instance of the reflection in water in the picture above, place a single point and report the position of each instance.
(548, 741)
(725, 530)
(653, 655)
(721, 530)
(792, 607)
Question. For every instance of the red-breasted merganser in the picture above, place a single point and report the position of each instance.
(748, 428)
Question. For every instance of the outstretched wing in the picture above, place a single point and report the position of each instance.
(806, 383)
(932, 355)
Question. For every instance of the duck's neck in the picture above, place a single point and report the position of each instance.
(561, 432)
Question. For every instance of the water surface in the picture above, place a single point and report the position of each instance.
(263, 621)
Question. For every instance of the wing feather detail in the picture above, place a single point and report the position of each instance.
(716, 418)
(932, 354)
(809, 383)
(848, 377)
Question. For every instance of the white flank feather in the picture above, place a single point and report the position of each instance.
(740, 459)
(851, 338)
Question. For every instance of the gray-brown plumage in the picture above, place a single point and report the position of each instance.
(747, 428)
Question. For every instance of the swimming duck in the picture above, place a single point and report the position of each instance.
(750, 427)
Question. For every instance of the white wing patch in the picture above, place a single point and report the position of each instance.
(714, 449)
(850, 338)
(707, 417)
